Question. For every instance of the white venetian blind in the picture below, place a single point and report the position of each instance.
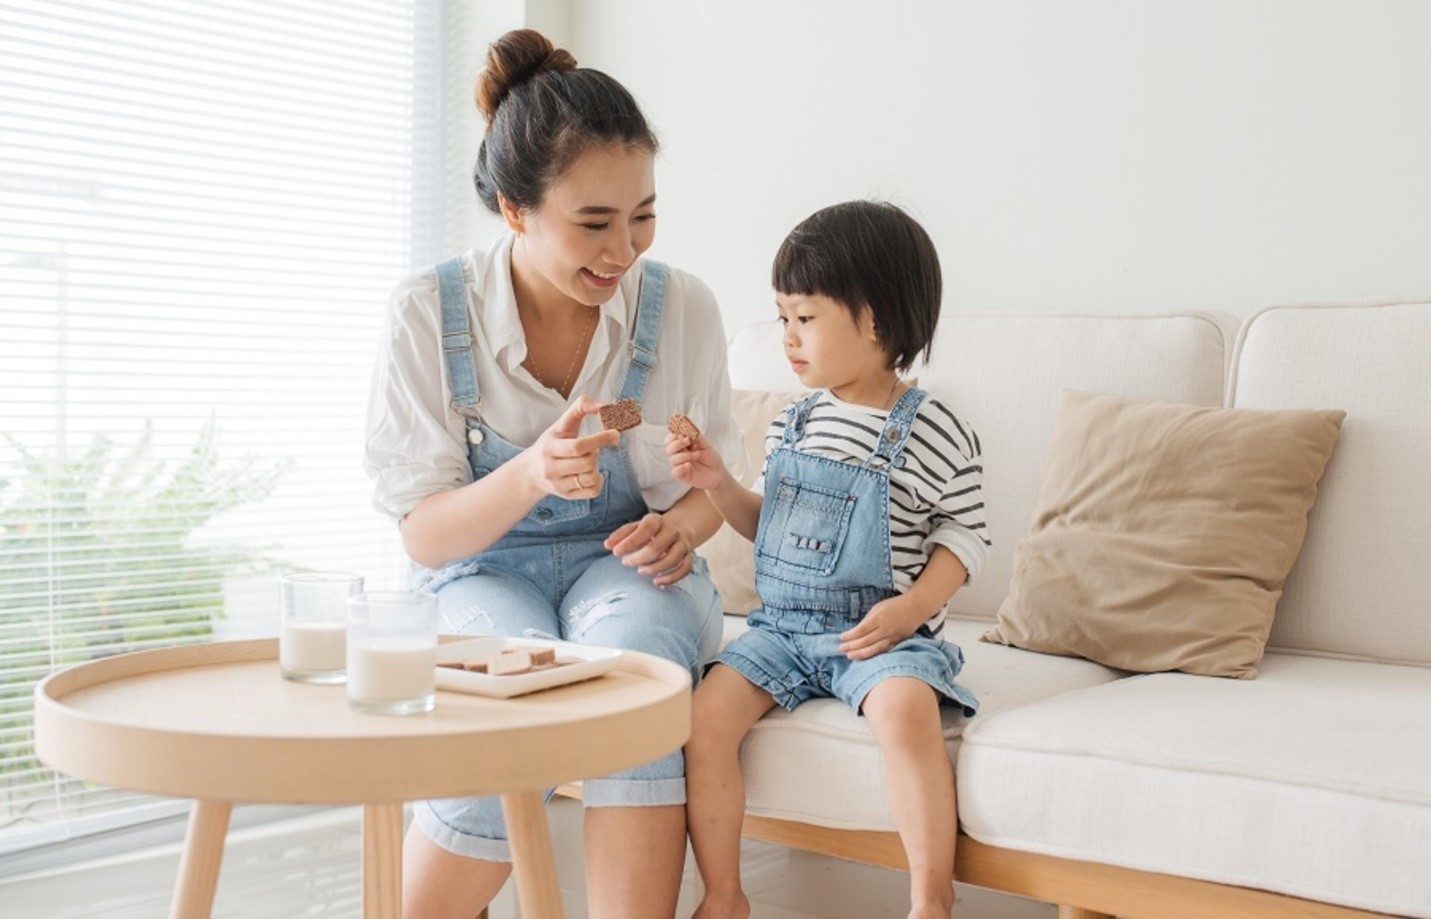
(203, 207)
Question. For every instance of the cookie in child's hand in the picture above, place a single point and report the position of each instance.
(620, 415)
(682, 426)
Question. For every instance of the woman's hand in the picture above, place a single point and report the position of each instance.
(886, 624)
(565, 464)
(654, 545)
(697, 463)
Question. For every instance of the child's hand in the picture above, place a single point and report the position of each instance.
(697, 463)
(886, 624)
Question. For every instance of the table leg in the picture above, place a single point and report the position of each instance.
(199, 864)
(382, 861)
(532, 858)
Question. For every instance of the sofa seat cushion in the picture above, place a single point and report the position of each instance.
(1309, 780)
(847, 790)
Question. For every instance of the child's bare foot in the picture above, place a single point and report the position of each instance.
(720, 905)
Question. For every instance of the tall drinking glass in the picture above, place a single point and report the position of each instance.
(392, 651)
(313, 639)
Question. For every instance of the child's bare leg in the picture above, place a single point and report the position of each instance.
(726, 705)
(904, 714)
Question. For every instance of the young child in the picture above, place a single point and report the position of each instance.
(870, 519)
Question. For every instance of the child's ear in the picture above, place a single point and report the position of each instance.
(516, 222)
(867, 326)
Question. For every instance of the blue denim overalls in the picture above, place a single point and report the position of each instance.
(550, 575)
(822, 559)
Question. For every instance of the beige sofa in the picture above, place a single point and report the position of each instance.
(1305, 792)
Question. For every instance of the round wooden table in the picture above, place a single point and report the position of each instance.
(218, 724)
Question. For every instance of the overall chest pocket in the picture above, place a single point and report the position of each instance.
(806, 527)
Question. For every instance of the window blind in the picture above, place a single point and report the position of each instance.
(202, 210)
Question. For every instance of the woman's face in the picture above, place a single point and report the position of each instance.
(591, 226)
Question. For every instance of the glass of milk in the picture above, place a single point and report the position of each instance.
(392, 651)
(313, 637)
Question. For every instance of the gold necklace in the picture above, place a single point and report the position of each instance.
(575, 354)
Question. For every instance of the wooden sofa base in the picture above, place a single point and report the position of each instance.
(1084, 890)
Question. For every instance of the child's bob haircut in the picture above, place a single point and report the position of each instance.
(868, 255)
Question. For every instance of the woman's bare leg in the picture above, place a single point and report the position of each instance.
(634, 857)
(437, 884)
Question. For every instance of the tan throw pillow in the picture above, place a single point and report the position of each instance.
(1163, 533)
(731, 556)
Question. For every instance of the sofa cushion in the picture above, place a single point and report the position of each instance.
(1309, 780)
(1163, 533)
(828, 732)
(1004, 373)
(1361, 585)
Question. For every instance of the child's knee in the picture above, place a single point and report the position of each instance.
(710, 727)
(713, 728)
(901, 704)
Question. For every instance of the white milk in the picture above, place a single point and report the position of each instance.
(312, 646)
(391, 669)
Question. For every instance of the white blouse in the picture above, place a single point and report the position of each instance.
(417, 444)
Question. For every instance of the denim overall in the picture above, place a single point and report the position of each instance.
(551, 576)
(822, 559)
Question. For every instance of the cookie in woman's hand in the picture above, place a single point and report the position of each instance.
(620, 415)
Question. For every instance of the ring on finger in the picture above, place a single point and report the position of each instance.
(581, 480)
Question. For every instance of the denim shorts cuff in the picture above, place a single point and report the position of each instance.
(455, 841)
(633, 792)
(757, 675)
(945, 692)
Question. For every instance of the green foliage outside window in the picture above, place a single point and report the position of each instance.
(97, 558)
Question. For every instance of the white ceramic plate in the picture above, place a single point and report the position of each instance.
(592, 662)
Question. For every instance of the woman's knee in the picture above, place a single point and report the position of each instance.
(624, 610)
(491, 604)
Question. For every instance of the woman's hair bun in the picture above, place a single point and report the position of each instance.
(514, 59)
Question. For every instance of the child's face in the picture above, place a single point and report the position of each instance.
(591, 226)
(827, 347)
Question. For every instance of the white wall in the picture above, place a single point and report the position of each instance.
(1108, 155)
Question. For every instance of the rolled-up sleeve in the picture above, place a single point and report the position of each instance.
(957, 521)
(414, 443)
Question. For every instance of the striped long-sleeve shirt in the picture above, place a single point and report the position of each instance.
(935, 498)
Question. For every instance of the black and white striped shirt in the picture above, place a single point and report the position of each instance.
(935, 498)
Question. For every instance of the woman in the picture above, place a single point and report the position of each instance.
(527, 524)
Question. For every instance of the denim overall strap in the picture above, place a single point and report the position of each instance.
(650, 305)
(795, 427)
(457, 338)
(897, 428)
